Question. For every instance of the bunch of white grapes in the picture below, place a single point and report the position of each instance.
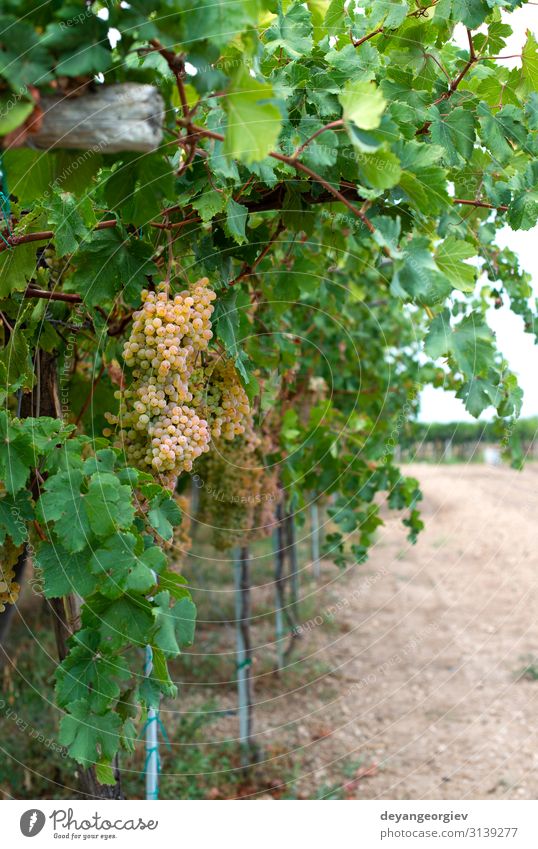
(240, 494)
(219, 394)
(9, 588)
(175, 405)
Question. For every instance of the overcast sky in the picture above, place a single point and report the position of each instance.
(517, 346)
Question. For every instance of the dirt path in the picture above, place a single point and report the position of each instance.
(413, 658)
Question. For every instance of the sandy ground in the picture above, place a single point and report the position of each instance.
(410, 684)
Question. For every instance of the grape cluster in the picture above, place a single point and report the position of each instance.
(9, 589)
(219, 393)
(176, 404)
(181, 541)
(240, 494)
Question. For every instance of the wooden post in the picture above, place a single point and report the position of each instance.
(285, 612)
(109, 119)
(278, 549)
(243, 653)
(314, 539)
(291, 540)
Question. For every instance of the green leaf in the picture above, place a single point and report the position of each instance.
(69, 228)
(381, 170)
(87, 673)
(119, 569)
(16, 455)
(91, 60)
(17, 267)
(236, 221)
(478, 394)
(63, 503)
(523, 211)
(174, 583)
(157, 682)
(450, 258)
(123, 621)
(363, 104)
(104, 773)
(163, 515)
(470, 342)
(174, 627)
(438, 342)
(455, 132)
(15, 511)
(209, 204)
(89, 736)
(13, 113)
(529, 65)
(64, 571)
(219, 20)
(473, 344)
(419, 277)
(391, 12)
(109, 265)
(16, 366)
(471, 13)
(30, 174)
(334, 17)
(254, 121)
(291, 32)
(108, 504)
(24, 60)
(139, 187)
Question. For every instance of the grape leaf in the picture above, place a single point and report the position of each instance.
(89, 735)
(174, 625)
(110, 265)
(16, 455)
(64, 571)
(87, 673)
(63, 503)
(15, 511)
(163, 515)
(108, 504)
(450, 258)
(236, 220)
(291, 32)
(69, 227)
(124, 620)
(119, 569)
(254, 121)
(455, 132)
(363, 104)
(17, 267)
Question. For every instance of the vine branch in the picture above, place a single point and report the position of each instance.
(44, 235)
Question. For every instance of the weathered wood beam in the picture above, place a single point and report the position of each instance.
(110, 119)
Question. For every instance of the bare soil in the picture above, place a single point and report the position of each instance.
(407, 683)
